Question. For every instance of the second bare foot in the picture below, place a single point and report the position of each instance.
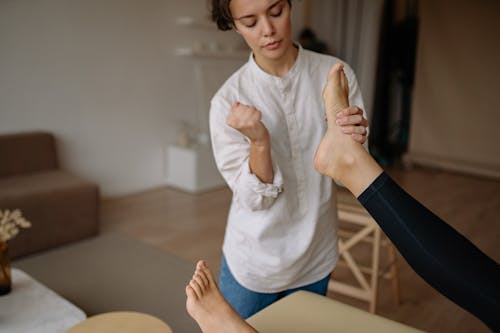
(207, 306)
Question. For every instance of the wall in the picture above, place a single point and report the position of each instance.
(102, 75)
(456, 105)
(351, 28)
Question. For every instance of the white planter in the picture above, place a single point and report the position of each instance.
(192, 169)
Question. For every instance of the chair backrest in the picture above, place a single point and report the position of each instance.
(27, 152)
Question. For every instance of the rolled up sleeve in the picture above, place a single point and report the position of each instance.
(231, 152)
(253, 194)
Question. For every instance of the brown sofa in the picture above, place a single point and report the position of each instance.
(61, 207)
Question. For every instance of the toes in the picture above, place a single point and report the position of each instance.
(197, 288)
(201, 275)
(202, 282)
(333, 74)
(335, 91)
(201, 264)
(208, 274)
(344, 83)
(190, 293)
(205, 272)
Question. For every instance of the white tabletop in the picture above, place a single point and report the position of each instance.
(32, 307)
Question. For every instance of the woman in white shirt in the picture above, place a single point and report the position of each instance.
(266, 121)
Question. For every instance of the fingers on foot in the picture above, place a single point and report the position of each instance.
(358, 138)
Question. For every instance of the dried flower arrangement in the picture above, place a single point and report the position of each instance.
(10, 222)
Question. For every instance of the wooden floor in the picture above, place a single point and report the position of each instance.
(192, 227)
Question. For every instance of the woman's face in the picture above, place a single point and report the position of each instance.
(265, 25)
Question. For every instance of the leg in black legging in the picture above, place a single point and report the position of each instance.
(444, 258)
(437, 252)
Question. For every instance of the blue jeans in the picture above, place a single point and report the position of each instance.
(247, 302)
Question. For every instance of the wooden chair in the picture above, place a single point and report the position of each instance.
(356, 227)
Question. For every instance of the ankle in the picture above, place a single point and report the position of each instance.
(345, 163)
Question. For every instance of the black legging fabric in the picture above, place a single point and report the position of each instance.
(444, 258)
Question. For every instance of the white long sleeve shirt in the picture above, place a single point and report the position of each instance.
(281, 235)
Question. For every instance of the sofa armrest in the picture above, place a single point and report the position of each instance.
(27, 152)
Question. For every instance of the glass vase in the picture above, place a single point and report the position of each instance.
(5, 277)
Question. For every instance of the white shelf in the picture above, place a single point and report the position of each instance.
(191, 22)
(191, 52)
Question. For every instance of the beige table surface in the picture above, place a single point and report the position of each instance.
(122, 322)
(307, 312)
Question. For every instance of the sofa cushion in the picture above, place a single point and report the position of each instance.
(27, 152)
(62, 208)
(44, 182)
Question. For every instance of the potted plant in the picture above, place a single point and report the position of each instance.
(10, 223)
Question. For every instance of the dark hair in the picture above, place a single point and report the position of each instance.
(221, 14)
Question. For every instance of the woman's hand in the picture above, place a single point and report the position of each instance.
(247, 120)
(353, 122)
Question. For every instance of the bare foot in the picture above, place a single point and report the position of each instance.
(338, 155)
(207, 306)
(333, 153)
